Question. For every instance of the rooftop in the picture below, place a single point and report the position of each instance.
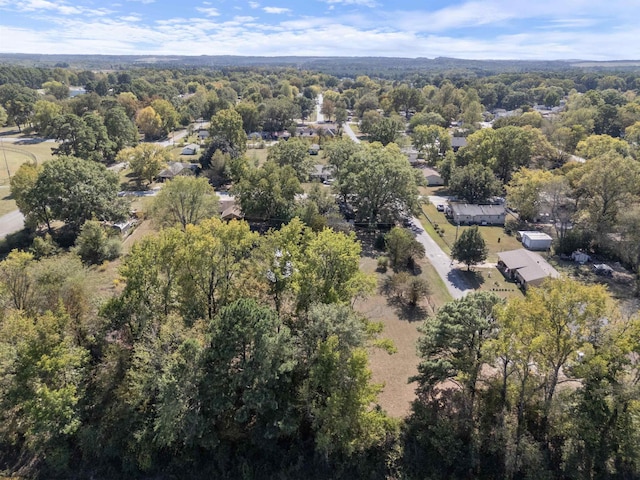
(530, 265)
(473, 209)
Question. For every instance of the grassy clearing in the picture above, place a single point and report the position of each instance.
(257, 156)
(12, 155)
(401, 326)
(495, 237)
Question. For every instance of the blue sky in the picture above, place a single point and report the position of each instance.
(473, 29)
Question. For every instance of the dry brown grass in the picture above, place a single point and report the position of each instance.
(400, 326)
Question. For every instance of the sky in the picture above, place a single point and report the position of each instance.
(469, 29)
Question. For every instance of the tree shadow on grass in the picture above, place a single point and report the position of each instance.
(407, 312)
(472, 278)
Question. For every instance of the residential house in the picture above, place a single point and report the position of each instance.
(191, 149)
(229, 209)
(525, 267)
(471, 214)
(458, 142)
(432, 177)
(203, 134)
(321, 173)
(175, 169)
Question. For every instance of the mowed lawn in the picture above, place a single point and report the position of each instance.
(495, 237)
(12, 155)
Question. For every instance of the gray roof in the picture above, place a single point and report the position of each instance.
(475, 210)
(174, 168)
(457, 142)
(529, 265)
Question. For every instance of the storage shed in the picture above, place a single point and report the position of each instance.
(535, 240)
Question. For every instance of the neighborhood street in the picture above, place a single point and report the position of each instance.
(319, 115)
(10, 223)
(451, 277)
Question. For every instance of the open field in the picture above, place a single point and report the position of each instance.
(12, 155)
(400, 326)
(257, 155)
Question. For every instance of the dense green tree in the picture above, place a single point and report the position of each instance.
(402, 247)
(94, 245)
(18, 103)
(525, 192)
(184, 201)
(386, 130)
(452, 351)
(268, 192)
(32, 203)
(149, 123)
(602, 187)
(598, 145)
(250, 116)
(74, 191)
(379, 182)
(41, 383)
(145, 160)
(44, 113)
(218, 255)
(506, 149)
(278, 114)
(120, 128)
(57, 89)
(470, 248)
(432, 141)
(294, 153)
(226, 130)
(474, 183)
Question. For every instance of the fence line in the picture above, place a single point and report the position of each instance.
(8, 148)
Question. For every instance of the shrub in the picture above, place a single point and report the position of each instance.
(383, 263)
(94, 246)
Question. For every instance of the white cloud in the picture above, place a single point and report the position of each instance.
(60, 7)
(244, 19)
(146, 2)
(254, 4)
(276, 10)
(208, 11)
(363, 3)
(131, 18)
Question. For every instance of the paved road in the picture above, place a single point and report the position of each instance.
(10, 223)
(350, 132)
(319, 115)
(451, 277)
(174, 138)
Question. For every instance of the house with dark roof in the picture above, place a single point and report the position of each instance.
(175, 169)
(525, 267)
(458, 142)
(472, 214)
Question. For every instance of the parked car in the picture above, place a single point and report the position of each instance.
(440, 208)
